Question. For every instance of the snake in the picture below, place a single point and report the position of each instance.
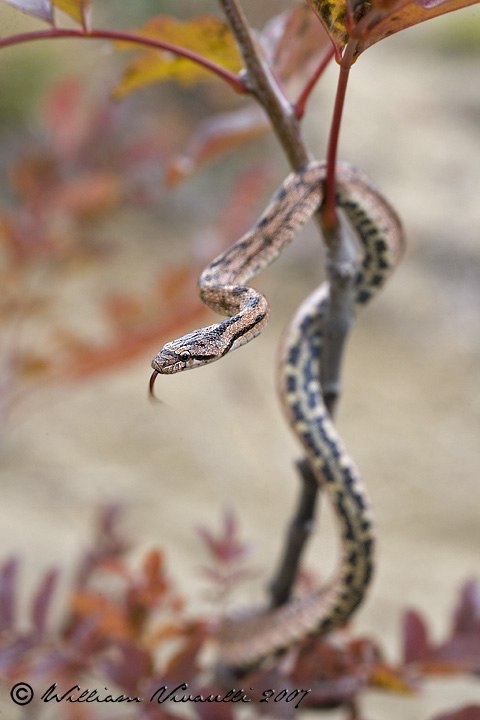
(249, 638)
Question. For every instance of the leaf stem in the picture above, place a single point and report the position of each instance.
(235, 81)
(301, 103)
(329, 213)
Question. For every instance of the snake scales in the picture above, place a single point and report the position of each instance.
(245, 641)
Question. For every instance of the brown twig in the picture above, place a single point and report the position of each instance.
(285, 124)
(299, 532)
(342, 254)
(262, 84)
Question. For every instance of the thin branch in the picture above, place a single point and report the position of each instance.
(342, 254)
(342, 269)
(301, 103)
(329, 213)
(285, 123)
(300, 530)
(262, 84)
(98, 34)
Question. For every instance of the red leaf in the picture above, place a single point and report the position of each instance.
(221, 133)
(294, 42)
(14, 656)
(470, 712)
(467, 614)
(416, 646)
(8, 578)
(42, 600)
(225, 547)
(184, 665)
(460, 652)
(153, 585)
(212, 710)
(128, 666)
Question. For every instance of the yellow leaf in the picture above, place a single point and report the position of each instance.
(388, 678)
(76, 9)
(332, 14)
(207, 36)
(369, 21)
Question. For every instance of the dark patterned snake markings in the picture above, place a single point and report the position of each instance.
(246, 640)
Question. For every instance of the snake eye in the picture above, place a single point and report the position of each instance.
(184, 356)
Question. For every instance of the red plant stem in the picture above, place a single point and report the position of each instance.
(301, 103)
(231, 78)
(329, 213)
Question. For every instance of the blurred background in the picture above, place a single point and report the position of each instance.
(99, 263)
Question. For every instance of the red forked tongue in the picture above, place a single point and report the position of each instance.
(153, 377)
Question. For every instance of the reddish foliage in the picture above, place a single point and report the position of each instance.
(228, 554)
(460, 652)
(134, 637)
(471, 712)
(134, 632)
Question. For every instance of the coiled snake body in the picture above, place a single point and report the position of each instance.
(244, 641)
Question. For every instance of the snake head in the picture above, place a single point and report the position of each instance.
(197, 348)
(173, 358)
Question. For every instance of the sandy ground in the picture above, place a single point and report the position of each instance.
(410, 414)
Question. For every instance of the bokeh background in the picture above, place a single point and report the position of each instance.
(410, 414)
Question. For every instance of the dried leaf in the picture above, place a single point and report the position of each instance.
(41, 9)
(206, 36)
(213, 710)
(215, 136)
(332, 14)
(245, 200)
(68, 117)
(8, 579)
(124, 311)
(89, 195)
(111, 620)
(405, 16)
(78, 10)
(460, 652)
(167, 631)
(466, 617)
(42, 601)
(174, 283)
(31, 366)
(128, 667)
(368, 21)
(392, 679)
(293, 42)
(184, 664)
(416, 645)
(226, 547)
(153, 585)
(470, 712)
(185, 309)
